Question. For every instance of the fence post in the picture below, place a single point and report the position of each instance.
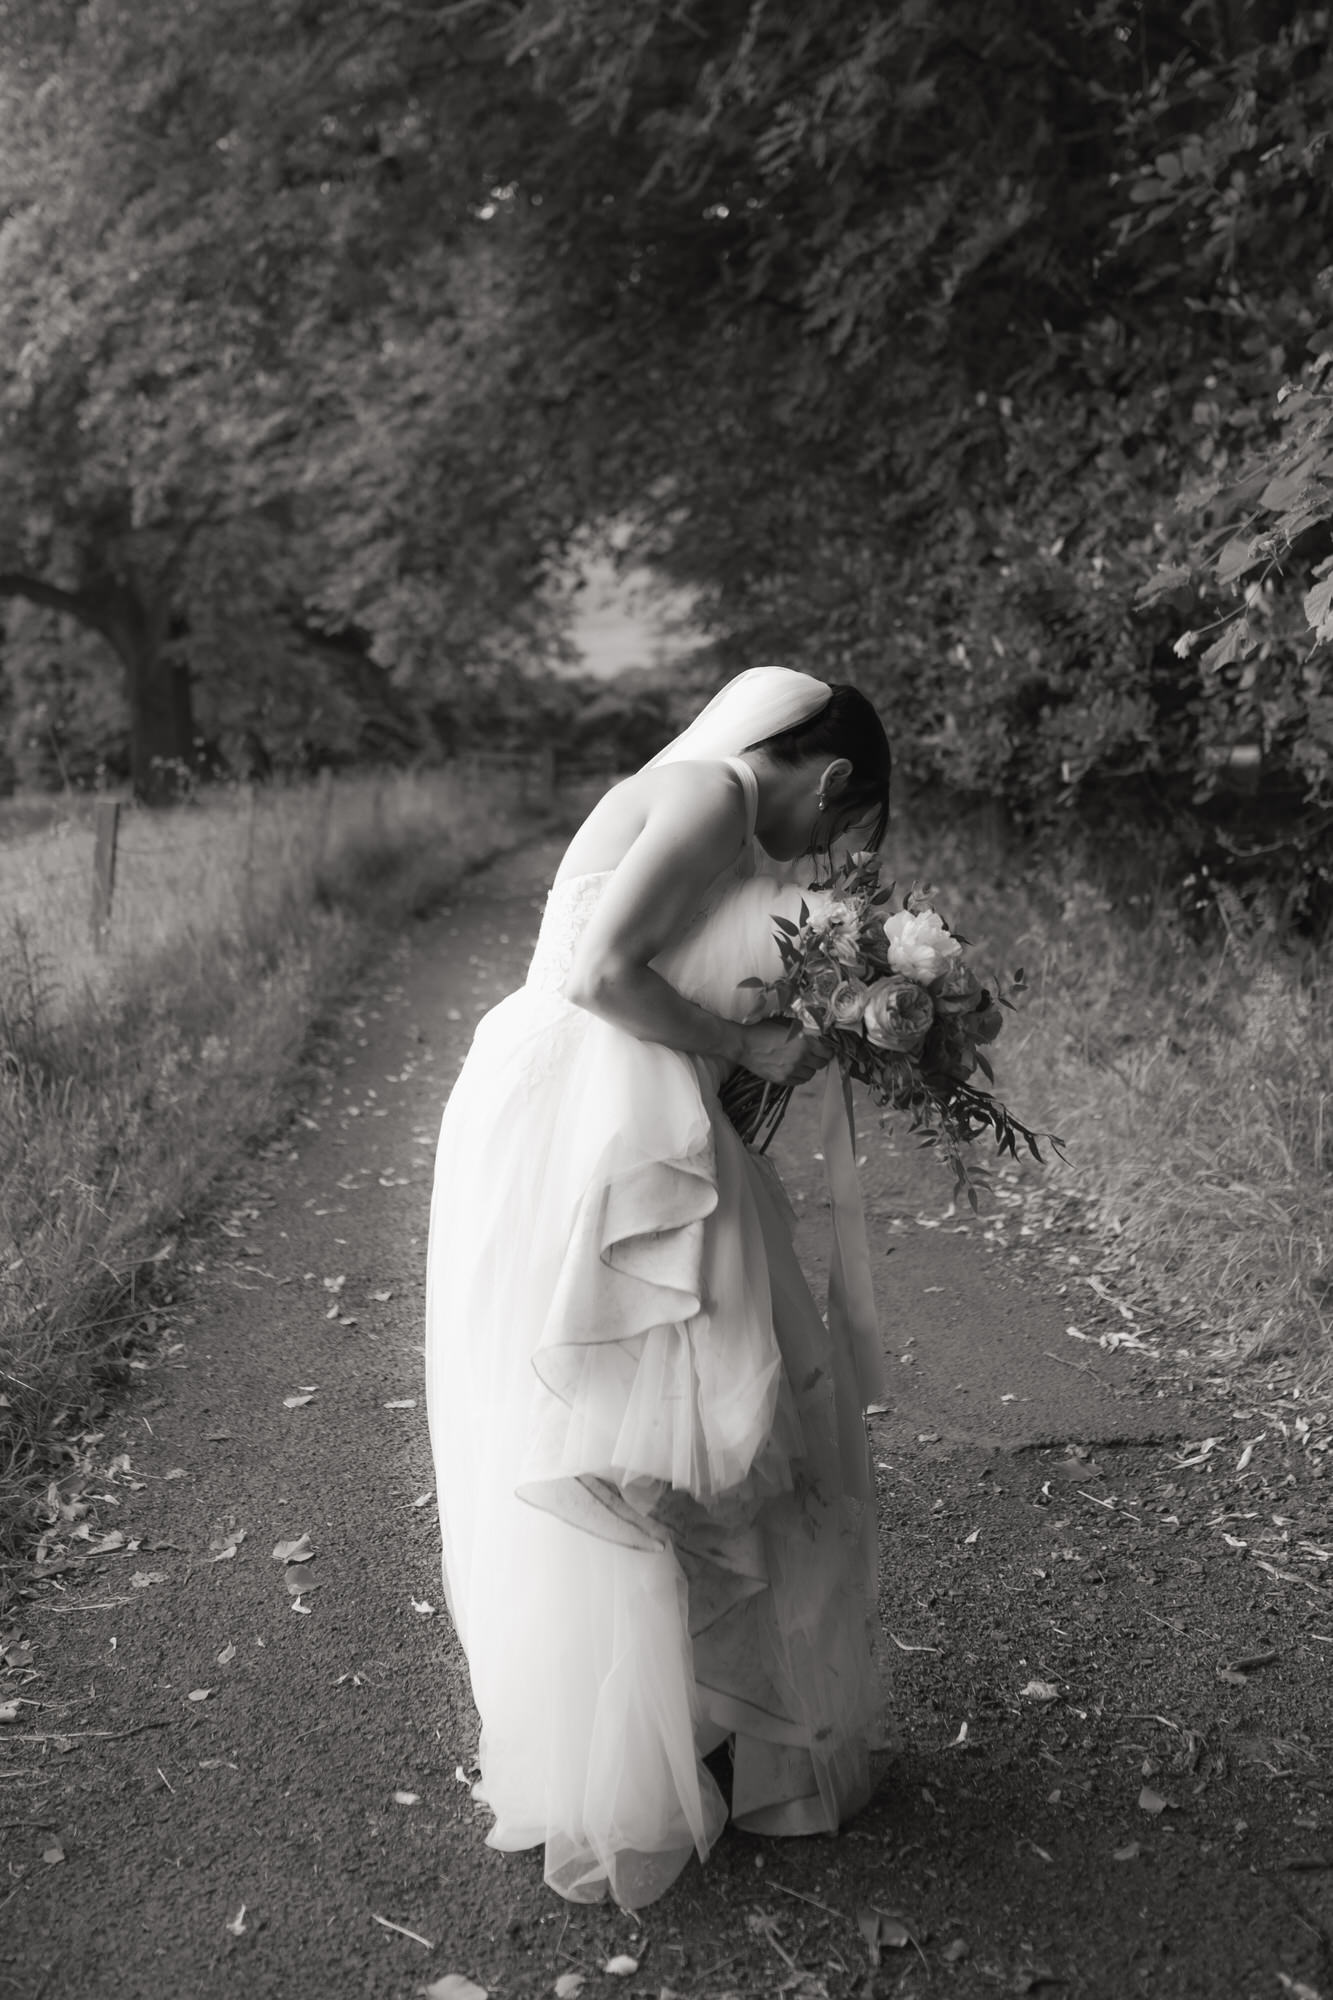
(106, 826)
(248, 859)
(324, 809)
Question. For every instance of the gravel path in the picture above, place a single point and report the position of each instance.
(211, 1784)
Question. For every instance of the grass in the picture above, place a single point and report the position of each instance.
(1188, 1066)
(129, 1079)
(1191, 1082)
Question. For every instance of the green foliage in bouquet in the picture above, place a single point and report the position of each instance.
(887, 992)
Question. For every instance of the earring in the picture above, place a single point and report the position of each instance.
(821, 803)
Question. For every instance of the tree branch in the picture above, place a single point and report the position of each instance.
(102, 610)
(49, 595)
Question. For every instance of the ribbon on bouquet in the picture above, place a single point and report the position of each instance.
(852, 1317)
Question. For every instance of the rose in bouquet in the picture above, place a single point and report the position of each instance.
(889, 993)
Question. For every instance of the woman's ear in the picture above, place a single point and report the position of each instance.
(835, 776)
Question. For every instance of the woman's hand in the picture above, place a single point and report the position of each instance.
(779, 1052)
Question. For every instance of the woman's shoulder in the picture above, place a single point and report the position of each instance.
(692, 801)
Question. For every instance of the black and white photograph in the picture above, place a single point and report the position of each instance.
(666, 1000)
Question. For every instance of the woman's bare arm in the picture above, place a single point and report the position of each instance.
(695, 826)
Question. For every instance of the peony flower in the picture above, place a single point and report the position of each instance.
(835, 922)
(847, 1003)
(897, 1015)
(920, 944)
(957, 990)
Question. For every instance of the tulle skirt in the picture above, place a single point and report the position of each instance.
(654, 1485)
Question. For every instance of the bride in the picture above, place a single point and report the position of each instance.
(654, 1485)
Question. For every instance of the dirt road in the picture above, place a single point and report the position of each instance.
(213, 1785)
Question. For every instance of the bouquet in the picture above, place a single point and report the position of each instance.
(888, 990)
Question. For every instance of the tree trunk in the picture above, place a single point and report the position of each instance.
(158, 690)
(161, 717)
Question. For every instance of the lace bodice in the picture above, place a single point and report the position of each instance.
(568, 908)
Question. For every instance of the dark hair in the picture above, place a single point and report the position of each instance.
(846, 726)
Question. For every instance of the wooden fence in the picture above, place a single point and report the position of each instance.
(124, 839)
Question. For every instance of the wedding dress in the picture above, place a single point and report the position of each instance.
(655, 1492)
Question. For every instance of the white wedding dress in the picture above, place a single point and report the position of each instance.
(654, 1484)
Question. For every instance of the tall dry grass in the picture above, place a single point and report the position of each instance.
(129, 1079)
(1185, 1056)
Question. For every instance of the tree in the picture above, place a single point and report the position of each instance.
(937, 305)
(237, 283)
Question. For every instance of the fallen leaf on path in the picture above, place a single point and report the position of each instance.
(143, 1577)
(176, 1472)
(402, 1403)
(955, 1952)
(334, 1284)
(9, 1711)
(53, 1855)
(422, 1608)
(883, 1931)
(453, 1986)
(1297, 1988)
(969, 1539)
(236, 1924)
(382, 1297)
(199, 1694)
(621, 1966)
(296, 1402)
(297, 1551)
(1129, 1852)
(407, 1798)
(1248, 1663)
(1152, 1802)
(417, 1938)
(1078, 1471)
(1041, 1691)
(423, 1499)
(568, 1986)
(1248, 1453)
(108, 1544)
(226, 1656)
(225, 1545)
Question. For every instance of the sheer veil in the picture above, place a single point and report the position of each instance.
(758, 703)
